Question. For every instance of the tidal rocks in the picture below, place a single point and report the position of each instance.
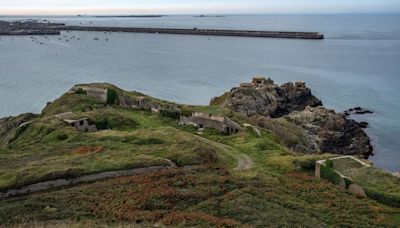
(327, 131)
(363, 124)
(358, 111)
(265, 98)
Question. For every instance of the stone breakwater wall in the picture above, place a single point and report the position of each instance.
(206, 32)
(30, 33)
(42, 186)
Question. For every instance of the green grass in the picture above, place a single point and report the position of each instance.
(44, 150)
(205, 196)
(278, 190)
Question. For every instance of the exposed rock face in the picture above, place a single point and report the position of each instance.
(264, 97)
(327, 131)
(9, 123)
(321, 130)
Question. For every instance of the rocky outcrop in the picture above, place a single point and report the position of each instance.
(9, 123)
(264, 97)
(312, 128)
(327, 131)
(11, 127)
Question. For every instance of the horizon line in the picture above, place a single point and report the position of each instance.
(194, 14)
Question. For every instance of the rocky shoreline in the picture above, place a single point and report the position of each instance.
(322, 130)
(287, 110)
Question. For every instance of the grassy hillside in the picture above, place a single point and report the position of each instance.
(232, 180)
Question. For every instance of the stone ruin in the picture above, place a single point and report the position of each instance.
(95, 92)
(80, 124)
(205, 120)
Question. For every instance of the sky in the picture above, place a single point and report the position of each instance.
(73, 7)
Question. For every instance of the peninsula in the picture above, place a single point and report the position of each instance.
(261, 154)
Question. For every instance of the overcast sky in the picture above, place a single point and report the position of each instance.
(72, 7)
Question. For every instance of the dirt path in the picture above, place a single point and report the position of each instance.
(244, 161)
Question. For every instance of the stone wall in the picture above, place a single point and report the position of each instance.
(354, 188)
(42, 186)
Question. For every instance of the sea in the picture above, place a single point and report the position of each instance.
(358, 64)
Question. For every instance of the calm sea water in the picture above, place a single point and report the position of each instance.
(358, 64)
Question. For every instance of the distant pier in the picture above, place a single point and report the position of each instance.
(204, 32)
(30, 32)
(39, 28)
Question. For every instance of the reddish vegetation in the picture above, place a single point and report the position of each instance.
(161, 197)
(179, 216)
(86, 150)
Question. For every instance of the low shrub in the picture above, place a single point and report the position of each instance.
(307, 164)
(328, 173)
(112, 120)
(81, 91)
(348, 182)
(329, 163)
(186, 112)
(170, 114)
(112, 96)
(212, 131)
(62, 136)
(382, 197)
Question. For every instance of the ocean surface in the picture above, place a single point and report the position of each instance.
(358, 64)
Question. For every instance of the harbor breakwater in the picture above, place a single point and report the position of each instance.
(204, 32)
(38, 28)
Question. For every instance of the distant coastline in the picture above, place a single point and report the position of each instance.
(128, 16)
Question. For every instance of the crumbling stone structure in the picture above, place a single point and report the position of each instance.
(80, 124)
(205, 120)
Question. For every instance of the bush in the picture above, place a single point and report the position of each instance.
(329, 174)
(186, 112)
(307, 164)
(212, 131)
(387, 199)
(348, 182)
(112, 96)
(329, 163)
(81, 91)
(170, 114)
(104, 119)
(101, 123)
